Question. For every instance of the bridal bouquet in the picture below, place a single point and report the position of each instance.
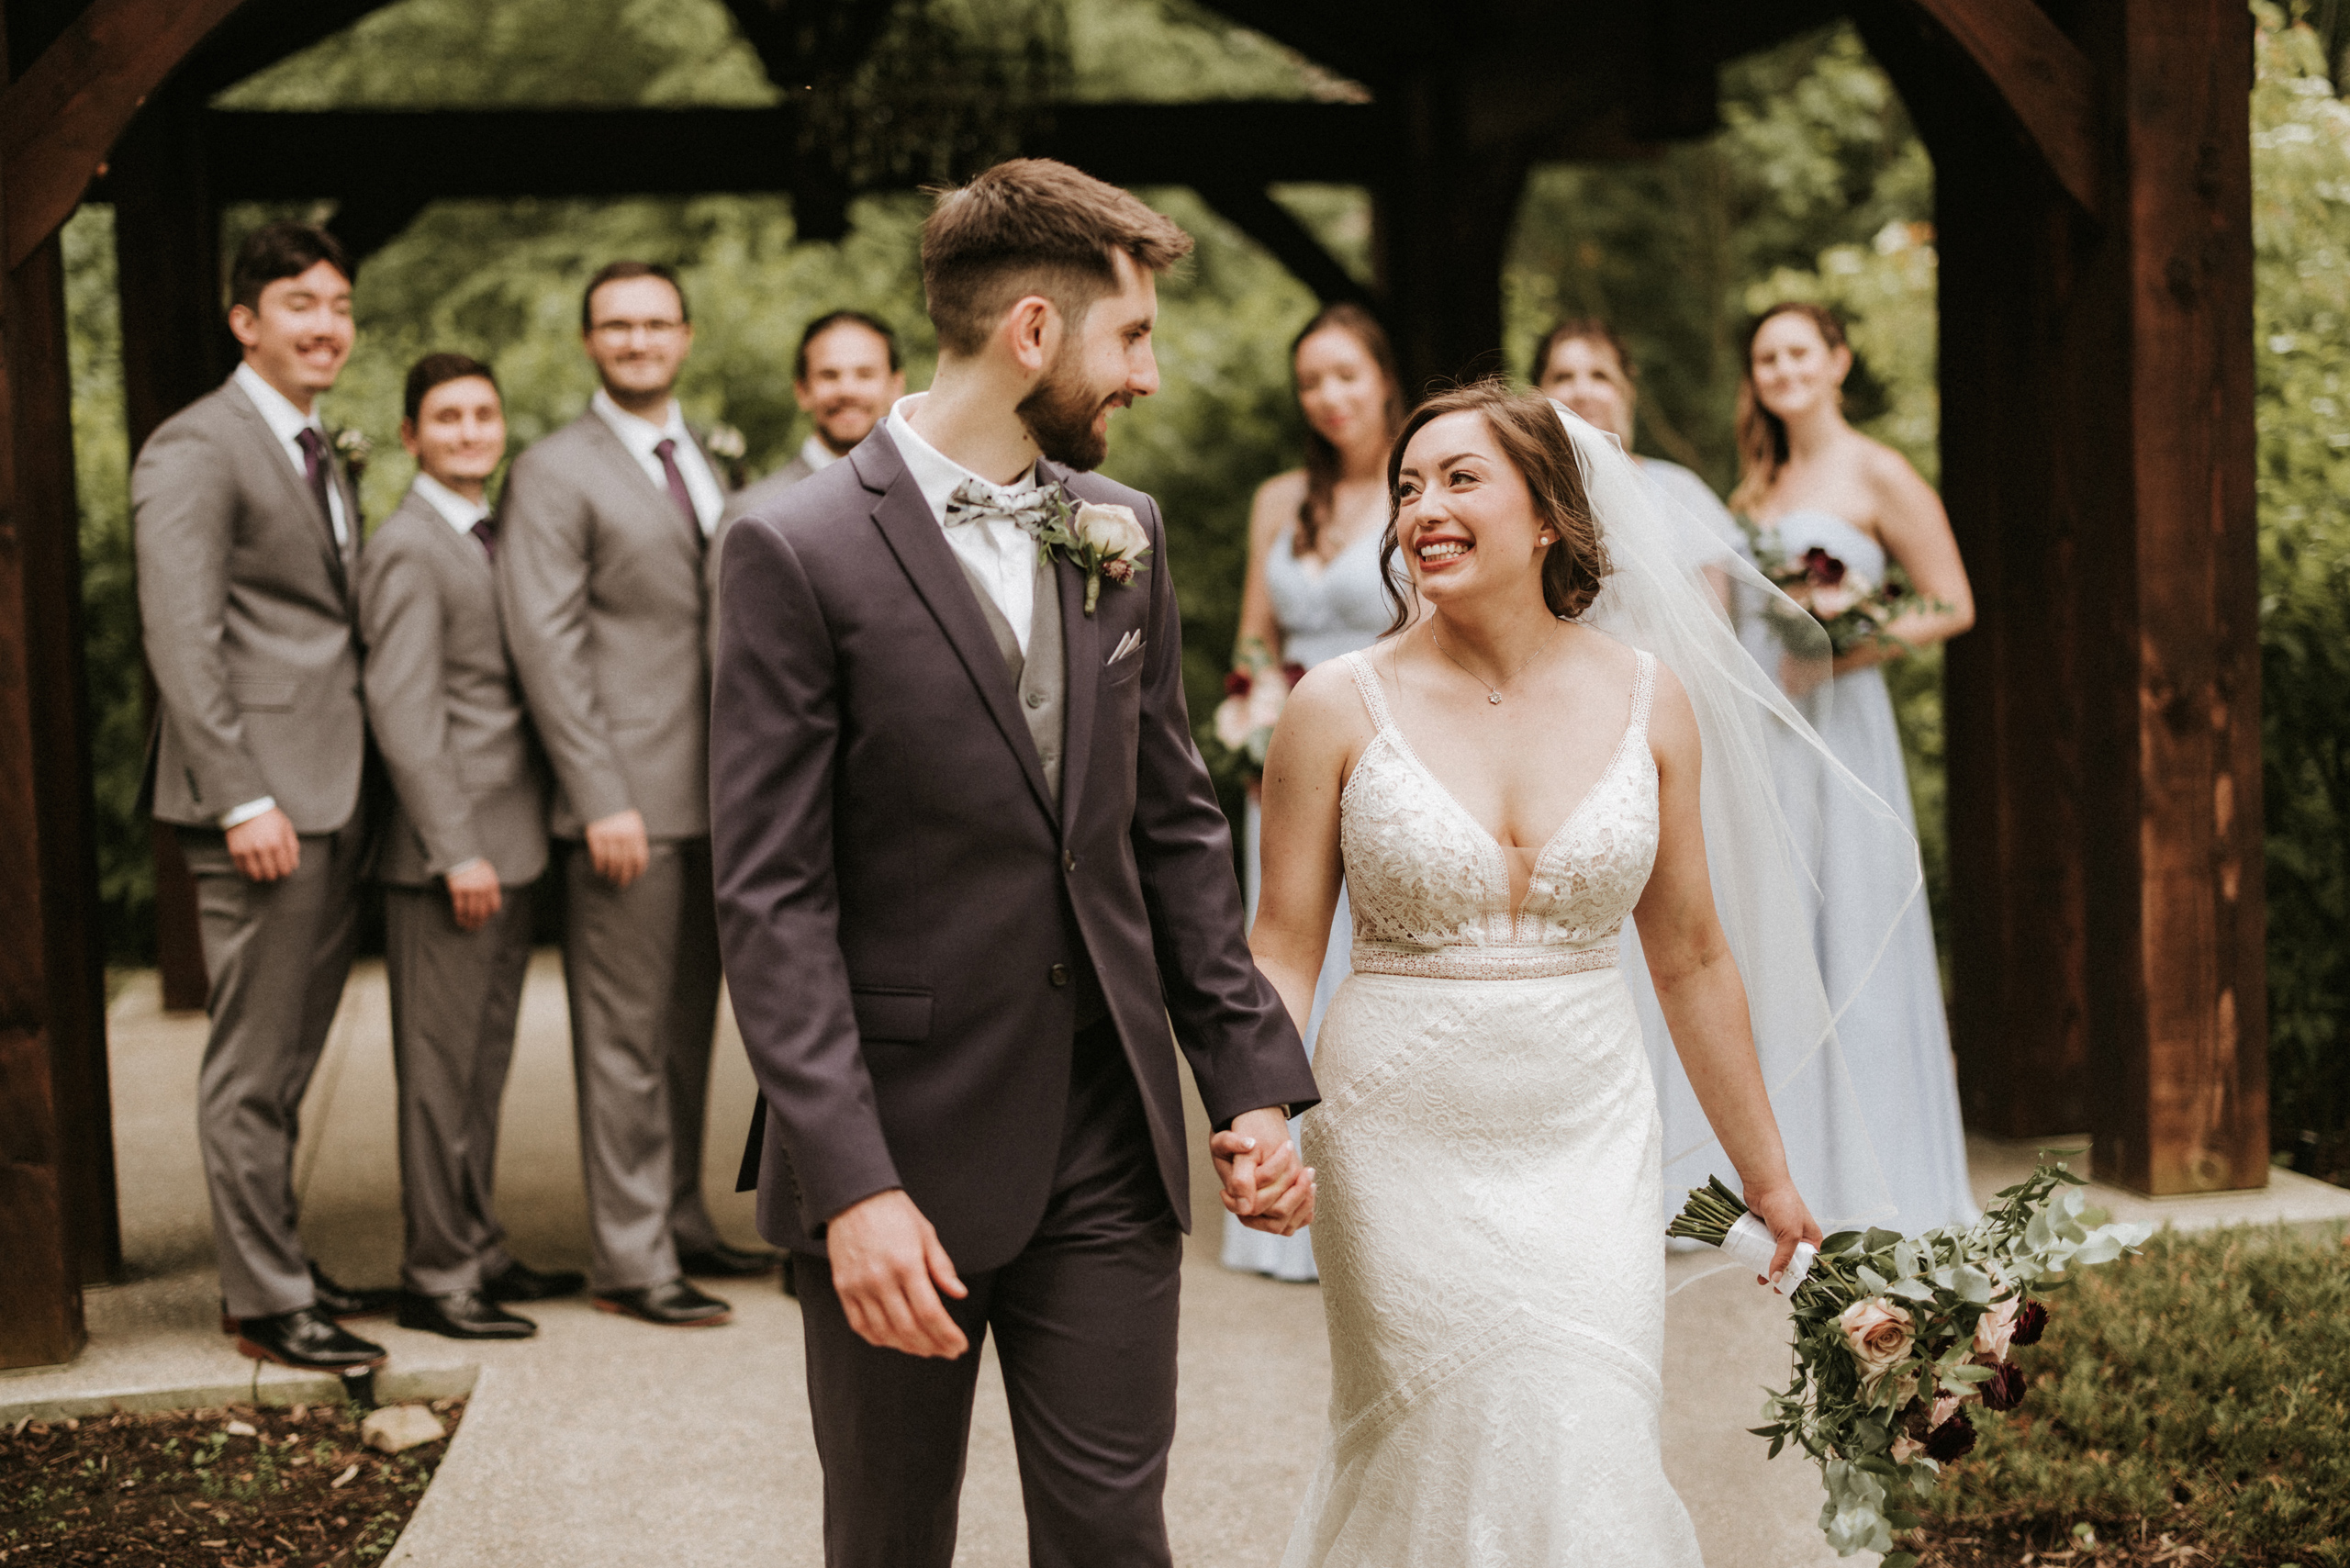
(1253, 693)
(1898, 1337)
(1853, 610)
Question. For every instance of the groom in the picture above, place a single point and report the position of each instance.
(968, 869)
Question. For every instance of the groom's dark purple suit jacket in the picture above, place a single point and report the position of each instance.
(901, 906)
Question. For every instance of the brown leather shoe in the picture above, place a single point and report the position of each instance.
(674, 1305)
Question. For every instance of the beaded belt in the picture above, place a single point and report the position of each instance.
(1481, 963)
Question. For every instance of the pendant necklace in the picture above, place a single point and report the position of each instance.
(1493, 693)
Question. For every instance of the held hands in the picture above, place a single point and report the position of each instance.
(473, 895)
(1777, 1205)
(266, 849)
(1264, 1183)
(887, 1270)
(617, 847)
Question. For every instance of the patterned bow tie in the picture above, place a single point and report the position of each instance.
(976, 501)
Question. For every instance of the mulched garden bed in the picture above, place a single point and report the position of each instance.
(178, 1489)
(2138, 1543)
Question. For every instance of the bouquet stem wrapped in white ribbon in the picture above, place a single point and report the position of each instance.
(1896, 1337)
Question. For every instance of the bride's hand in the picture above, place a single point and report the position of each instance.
(1265, 1185)
(1781, 1207)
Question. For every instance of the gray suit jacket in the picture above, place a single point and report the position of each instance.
(247, 608)
(444, 706)
(906, 904)
(601, 585)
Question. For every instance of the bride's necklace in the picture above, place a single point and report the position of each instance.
(1493, 693)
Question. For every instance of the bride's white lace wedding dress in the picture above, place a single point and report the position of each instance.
(1487, 1147)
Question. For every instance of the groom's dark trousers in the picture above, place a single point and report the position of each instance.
(956, 934)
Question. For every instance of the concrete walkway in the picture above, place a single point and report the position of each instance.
(606, 1440)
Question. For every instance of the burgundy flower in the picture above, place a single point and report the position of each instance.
(1237, 682)
(1820, 569)
(2006, 1389)
(2029, 1323)
(1118, 571)
(1292, 674)
(1953, 1440)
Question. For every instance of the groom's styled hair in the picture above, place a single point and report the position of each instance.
(1033, 226)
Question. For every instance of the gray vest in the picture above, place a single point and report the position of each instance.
(1043, 674)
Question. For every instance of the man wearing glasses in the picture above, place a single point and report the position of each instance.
(600, 584)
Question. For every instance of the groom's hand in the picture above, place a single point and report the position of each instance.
(887, 1268)
(1264, 1183)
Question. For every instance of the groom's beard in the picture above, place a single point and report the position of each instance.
(1060, 415)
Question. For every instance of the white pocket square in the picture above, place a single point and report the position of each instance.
(1129, 644)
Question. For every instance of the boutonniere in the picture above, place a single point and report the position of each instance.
(730, 446)
(351, 445)
(1100, 541)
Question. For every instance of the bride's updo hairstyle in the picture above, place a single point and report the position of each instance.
(1531, 435)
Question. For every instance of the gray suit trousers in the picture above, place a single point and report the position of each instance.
(1084, 1322)
(455, 995)
(640, 966)
(278, 953)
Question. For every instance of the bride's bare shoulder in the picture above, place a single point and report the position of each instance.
(1326, 696)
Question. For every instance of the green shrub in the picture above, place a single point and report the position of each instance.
(2201, 1389)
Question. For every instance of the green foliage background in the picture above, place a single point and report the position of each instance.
(1817, 187)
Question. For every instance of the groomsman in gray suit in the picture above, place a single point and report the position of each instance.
(246, 530)
(601, 584)
(466, 842)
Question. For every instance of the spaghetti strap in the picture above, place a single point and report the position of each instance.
(1643, 691)
(1367, 685)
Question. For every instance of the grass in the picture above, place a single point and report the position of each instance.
(2191, 1404)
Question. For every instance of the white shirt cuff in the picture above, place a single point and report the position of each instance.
(235, 815)
(466, 865)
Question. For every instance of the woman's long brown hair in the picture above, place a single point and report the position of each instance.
(1325, 464)
(1762, 434)
(1535, 439)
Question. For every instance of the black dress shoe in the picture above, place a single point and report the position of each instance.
(721, 1261)
(306, 1337)
(674, 1305)
(340, 1302)
(462, 1314)
(519, 1282)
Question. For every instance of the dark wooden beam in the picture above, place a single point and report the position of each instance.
(1252, 210)
(268, 156)
(47, 523)
(59, 120)
(2042, 76)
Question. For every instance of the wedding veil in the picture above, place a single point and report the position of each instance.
(1778, 809)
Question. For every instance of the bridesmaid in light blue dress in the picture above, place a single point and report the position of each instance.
(1312, 594)
(1809, 479)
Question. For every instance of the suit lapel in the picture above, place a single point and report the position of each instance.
(617, 458)
(1081, 668)
(913, 535)
(296, 494)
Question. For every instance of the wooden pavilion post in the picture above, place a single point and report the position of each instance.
(2098, 452)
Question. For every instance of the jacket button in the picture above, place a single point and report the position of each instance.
(1035, 699)
(1060, 973)
(1069, 860)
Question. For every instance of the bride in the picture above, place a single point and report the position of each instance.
(1499, 786)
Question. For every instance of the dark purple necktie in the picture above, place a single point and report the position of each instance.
(489, 537)
(321, 474)
(666, 451)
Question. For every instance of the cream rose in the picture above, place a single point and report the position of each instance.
(1879, 1336)
(1906, 1447)
(1996, 1330)
(1232, 722)
(1113, 530)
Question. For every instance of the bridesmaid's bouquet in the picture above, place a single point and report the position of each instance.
(1898, 1337)
(1853, 610)
(1254, 691)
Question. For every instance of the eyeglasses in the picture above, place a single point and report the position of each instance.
(619, 332)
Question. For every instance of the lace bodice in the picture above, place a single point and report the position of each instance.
(1431, 888)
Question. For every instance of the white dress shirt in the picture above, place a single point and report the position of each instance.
(287, 423)
(455, 510)
(999, 553)
(641, 436)
(817, 455)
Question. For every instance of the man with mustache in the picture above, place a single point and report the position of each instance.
(968, 869)
(246, 527)
(600, 579)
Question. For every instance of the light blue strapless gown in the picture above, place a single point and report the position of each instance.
(1325, 612)
(1895, 1036)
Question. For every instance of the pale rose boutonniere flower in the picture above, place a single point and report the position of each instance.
(1099, 540)
(1879, 1336)
(351, 445)
(730, 446)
